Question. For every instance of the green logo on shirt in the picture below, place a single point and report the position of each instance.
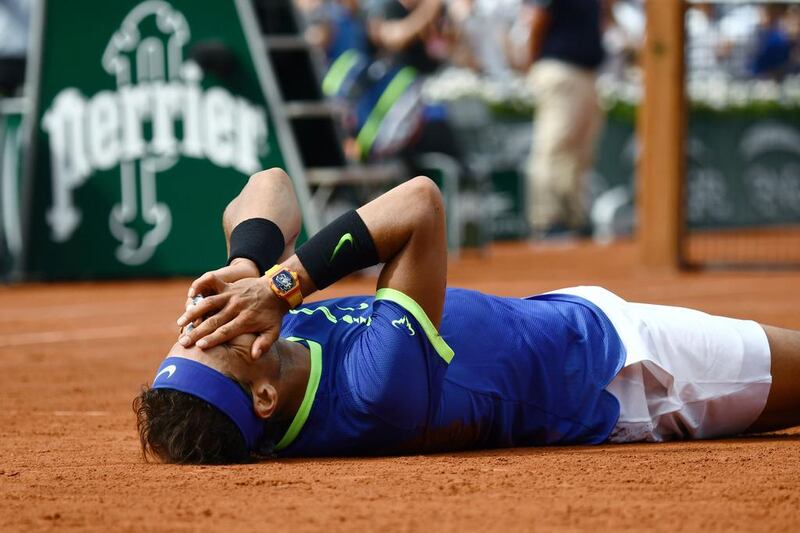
(404, 322)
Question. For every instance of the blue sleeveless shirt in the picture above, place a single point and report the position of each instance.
(503, 372)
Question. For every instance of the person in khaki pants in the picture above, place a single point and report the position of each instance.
(566, 50)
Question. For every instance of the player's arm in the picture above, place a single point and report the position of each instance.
(404, 228)
(261, 226)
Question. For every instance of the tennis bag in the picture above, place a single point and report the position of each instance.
(383, 103)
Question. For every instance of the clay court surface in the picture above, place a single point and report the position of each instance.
(72, 356)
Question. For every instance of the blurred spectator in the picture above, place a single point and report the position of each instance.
(773, 45)
(703, 39)
(408, 36)
(484, 28)
(738, 26)
(623, 36)
(793, 29)
(14, 25)
(406, 30)
(566, 47)
(335, 26)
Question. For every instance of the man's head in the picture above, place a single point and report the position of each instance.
(176, 427)
(209, 406)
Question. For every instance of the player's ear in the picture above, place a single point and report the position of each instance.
(265, 399)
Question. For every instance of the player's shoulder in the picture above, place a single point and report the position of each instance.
(395, 310)
(394, 365)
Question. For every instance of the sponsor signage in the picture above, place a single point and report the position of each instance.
(11, 116)
(149, 118)
(744, 173)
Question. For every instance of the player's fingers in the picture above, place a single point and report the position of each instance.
(194, 288)
(194, 324)
(223, 333)
(205, 307)
(208, 283)
(207, 327)
(188, 305)
(263, 343)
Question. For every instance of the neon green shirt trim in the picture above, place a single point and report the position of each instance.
(311, 392)
(408, 303)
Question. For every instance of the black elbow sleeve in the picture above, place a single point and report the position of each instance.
(342, 247)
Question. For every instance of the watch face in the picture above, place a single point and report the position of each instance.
(283, 281)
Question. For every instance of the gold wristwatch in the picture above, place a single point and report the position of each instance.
(285, 284)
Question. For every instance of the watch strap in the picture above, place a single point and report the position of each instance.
(272, 271)
(294, 298)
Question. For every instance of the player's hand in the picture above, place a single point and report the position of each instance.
(240, 268)
(246, 306)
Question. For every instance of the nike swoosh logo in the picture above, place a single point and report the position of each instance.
(166, 370)
(347, 237)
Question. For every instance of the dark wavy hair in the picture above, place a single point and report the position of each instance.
(176, 427)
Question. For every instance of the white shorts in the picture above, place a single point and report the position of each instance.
(687, 374)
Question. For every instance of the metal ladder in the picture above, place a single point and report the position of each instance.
(313, 121)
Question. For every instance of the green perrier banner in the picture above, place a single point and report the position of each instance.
(11, 114)
(137, 148)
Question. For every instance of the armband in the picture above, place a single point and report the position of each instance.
(259, 240)
(342, 247)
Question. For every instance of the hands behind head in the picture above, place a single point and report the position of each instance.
(235, 303)
(239, 268)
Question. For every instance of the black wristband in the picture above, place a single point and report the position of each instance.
(342, 247)
(259, 240)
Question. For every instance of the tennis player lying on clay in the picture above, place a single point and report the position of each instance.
(420, 368)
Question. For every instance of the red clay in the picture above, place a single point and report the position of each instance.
(72, 356)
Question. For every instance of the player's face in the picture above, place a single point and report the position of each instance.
(233, 360)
